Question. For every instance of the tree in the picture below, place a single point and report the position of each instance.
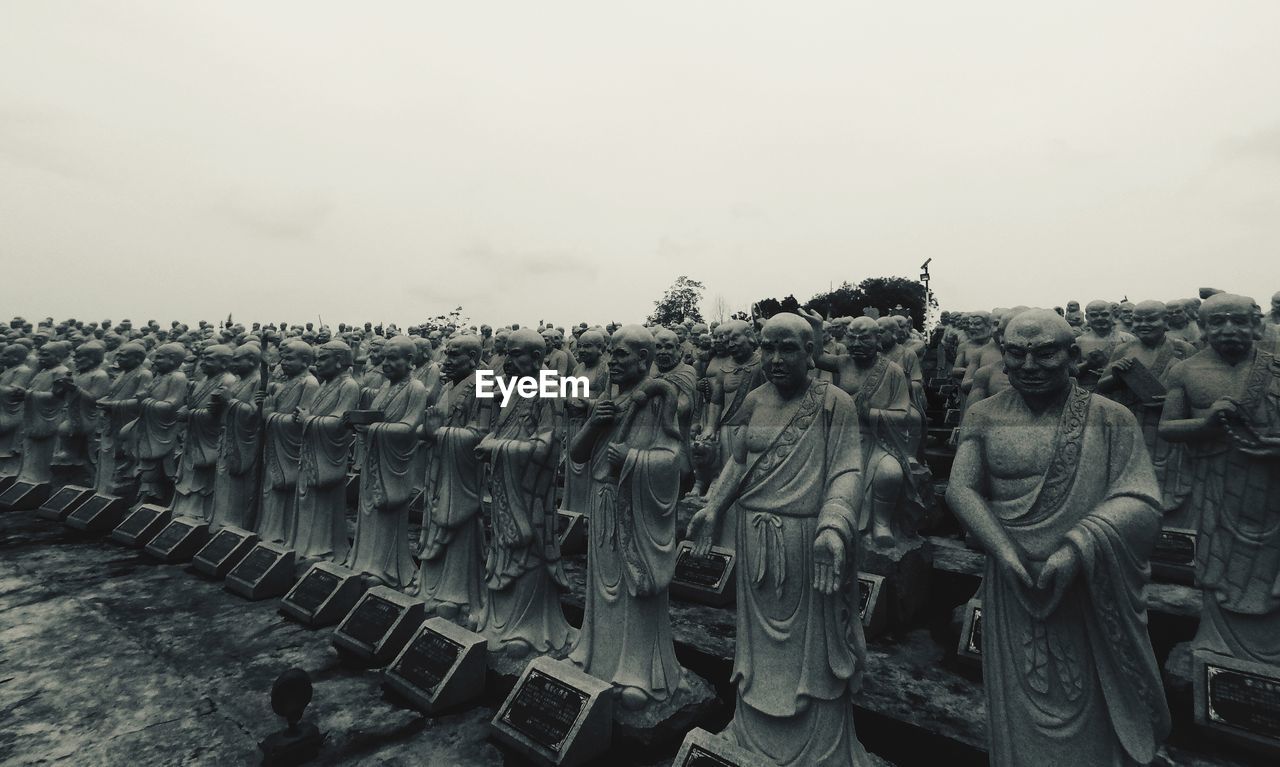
(771, 306)
(885, 294)
(679, 303)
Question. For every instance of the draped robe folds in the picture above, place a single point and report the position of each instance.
(197, 461)
(631, 556)
(452, 550)
(800, 654)
(685, 379)
(1237, 499)
(282, 448)
(523, 571)
(1173, 474)
(236, 471)
(577, 481)
(11, 419)
(115, 467)
(886, 436)
(387, 485)
(75, 450)
(41, 417)
(153, 437)
(906, 359)
(1077, 680)
(318, 529)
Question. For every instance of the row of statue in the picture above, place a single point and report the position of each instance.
(798, 440)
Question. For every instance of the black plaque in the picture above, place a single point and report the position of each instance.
(973, 643)
(544, 710)
(428, 660)
(1243, 701)
(63, 498)
(706, 572)
(316, 587)
(92, 507)
(865, 588)
(135, 523)
(1173, 548)
(371, 620)
(562, 524)
(254, 566)
(220, 547)
(700, 758)
(169, 537)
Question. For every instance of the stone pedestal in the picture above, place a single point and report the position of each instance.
(668, 720)
(906, 568)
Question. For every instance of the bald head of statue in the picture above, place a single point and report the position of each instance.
(1040, 353)
(332, 359)
(13, 356)
(591, 345)
(666, 349)
(1149, 322)
(631, 351)
(462, 356)
(215, 359)
(1232, 324)
(295, 357)
(786, 348)
(525, 352)
(90, 355)
(862, 339)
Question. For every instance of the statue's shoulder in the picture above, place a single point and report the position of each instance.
(983, 410)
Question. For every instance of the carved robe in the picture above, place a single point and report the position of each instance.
(41, 417)
(75, 449)
(387, 485)
(800, 654)
(631, 555)
(685, 379)
(11, 419)
(1237, 499)
(1076, 680)
(281, 454)
(452, 544)
(577, 481)
(236, 471)
(318, 529)
(153, 437)
(115, 470)
(197, 463)
(523, 571)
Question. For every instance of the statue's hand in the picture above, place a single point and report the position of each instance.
(828, 562)
(616, 455)
(604, 414)
(1221, 410)
(1124, 365)
(813, 317)
(702, 528)
(259, 397)
(1058, 572)
(1011, 563)
(704, 387)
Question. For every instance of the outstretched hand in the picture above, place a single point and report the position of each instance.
(812, 316)
(702, 528)
(828, 562)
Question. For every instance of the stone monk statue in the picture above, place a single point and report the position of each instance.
(283, 435)
(668, 365)
(42, 411)
(115, 470)
(523, 571)
(451, 575)
(76, 448)
(387, 481)
(152, 439)
(631, 446)
(1055, 483)
(197, 464)
(577, 479)
(794, 476)
(14, 380)
(318, 528)
(236, 471)
(1224, 404)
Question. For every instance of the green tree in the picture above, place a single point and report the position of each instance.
(679, 303)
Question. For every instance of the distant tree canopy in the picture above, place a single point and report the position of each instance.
(881, 293)
(679, 303)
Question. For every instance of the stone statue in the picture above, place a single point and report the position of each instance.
(1098, 342)
(282, 433)
(152, 439)
(977, 352)
(891, 496)
(577, 480)
(631, 446)
(523, 570)
(235, 481)
(1156, 352)
(387, 482)
(794, 477)
(557, 359)
(76, 446)
(1180, 322)
(451, 576)
(1055, 484)
(115, 470)
(725, 394)
(42, 412)
(1223, 404)
(197, 463)
(14, 380)
(318, 529)
(669, 366)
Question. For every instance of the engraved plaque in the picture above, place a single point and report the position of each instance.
(220, 547)
(92, 507)
(255, 565)
(371, 620)
(1175, 547)
(171, 536)
(1243, 701)
(316, 587)
(706, 572)
(864, 597)
(699, 758)
(428, 659)
(544, 710)
(135, 523)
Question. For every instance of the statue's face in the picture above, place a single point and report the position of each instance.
(1073, 306)
(627, 365)
(396, 362)
(589, 350)
(1148, 325)
(682, 332)
(784, 357)
(323, 336)
(1231, 328)
(167, 362)
(211, 364)
(130, 359)
(978, 326)
(904, 332)
(836, 331)
(500, 343)
(292, 361)
(243, 365)
(486, 331)
(328, 363)
(1099, 318)
(523, 360)
(39, 340)
(705, 342)
(46, 357)
(888, 333)
(375, 354)
(739, 342)
(863, 342)
(666, 352)
(1126, 314)
(1275, 304)
(1036, 361)
(436, 339)
(719, 342)
(1176, 316)
(13, 357)
(87, 359)
(458, 362)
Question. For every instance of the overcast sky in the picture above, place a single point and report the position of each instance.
(390, 161)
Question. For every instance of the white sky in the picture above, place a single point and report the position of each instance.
(567, 160)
